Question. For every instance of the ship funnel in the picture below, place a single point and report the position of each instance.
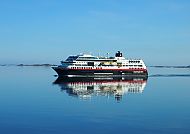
(118, 54)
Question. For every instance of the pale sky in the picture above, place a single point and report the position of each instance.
(47, 31)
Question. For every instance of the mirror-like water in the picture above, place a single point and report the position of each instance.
(33, 101)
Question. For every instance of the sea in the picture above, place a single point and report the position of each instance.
(33, 100)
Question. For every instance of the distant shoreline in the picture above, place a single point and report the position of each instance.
(35, 65)
(170, 66)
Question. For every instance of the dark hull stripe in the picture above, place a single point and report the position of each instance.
(97, 72)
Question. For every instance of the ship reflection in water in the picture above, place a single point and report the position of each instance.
(87, 87)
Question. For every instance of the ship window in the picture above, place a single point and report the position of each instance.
(71, 58)
(86, 58)
(140, 65)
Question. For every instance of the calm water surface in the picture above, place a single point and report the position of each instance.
(33, 102)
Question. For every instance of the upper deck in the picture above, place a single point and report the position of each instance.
(90, 60)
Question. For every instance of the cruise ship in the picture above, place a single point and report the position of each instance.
(87, 65)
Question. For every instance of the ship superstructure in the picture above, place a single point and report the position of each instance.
(88, 65)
